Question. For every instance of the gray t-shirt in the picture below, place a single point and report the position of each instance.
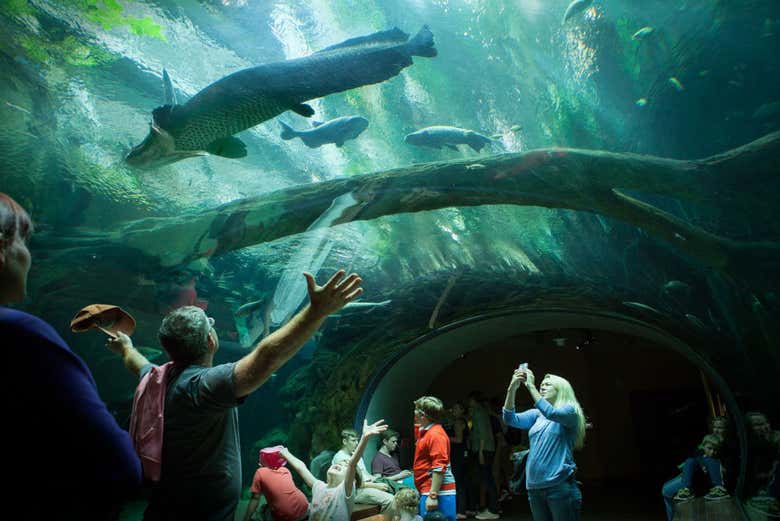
(201, 459)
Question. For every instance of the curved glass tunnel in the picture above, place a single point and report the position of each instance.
(628, 191)
(639, 384)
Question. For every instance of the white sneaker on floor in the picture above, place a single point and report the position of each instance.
(487, 514)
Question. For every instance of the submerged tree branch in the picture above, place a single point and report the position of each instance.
(586, 180)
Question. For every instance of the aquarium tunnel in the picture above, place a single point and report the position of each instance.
(591, 187)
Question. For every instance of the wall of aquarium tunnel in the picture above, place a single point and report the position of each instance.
(594, 191)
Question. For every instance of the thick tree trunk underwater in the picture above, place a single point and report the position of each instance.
(586, 180)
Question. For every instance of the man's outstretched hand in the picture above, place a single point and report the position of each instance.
(335, 294)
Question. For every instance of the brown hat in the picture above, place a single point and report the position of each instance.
(109, 319)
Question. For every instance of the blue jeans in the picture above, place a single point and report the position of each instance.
(668, 491)
(685, 479)
(559, 502)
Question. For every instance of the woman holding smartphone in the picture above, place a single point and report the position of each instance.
(556, 426)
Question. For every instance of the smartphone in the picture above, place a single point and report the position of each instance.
(523, 366)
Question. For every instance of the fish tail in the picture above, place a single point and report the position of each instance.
(422, 43)
(287, 131)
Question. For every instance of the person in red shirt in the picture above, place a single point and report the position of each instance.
(432, 472)
(285, 501)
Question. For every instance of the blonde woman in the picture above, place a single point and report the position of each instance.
(556, 426)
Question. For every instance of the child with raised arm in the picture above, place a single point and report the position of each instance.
(334, 500)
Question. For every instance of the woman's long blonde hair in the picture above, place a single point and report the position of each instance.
(564, 395)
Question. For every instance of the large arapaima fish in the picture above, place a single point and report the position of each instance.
(206, 123)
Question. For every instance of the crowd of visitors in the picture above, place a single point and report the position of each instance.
(183, 446)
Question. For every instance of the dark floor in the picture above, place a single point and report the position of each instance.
(606, 503)
(632, 502)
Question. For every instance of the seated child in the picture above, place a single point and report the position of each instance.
(706, 460)
(334, 500)
(405, 504)
(284, 502)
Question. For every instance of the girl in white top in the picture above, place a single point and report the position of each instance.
(334, 500)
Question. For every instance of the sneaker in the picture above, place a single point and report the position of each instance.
(487, 514)
(764, 505)
(684, 494)
(461, 516)
(717, 492)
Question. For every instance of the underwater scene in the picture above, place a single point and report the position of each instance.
(539, 239)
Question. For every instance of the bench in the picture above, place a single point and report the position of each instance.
(366, 512)
(700, 509)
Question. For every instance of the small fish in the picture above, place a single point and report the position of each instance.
(704, 72)
(767, 110)
(641, 102)
(444, 136)
(642, 307)
(17, 107)
(696, 321)
(577, 6)
(149, 352)
(475, 166)
(362, 307)
(249, 307)
(335, 131)
(515, 128)
(496, 136)
(677, 291)
(643, 33)
(676, 84)
(676, 287)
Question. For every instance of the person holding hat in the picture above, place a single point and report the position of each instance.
(200, 466)
(283, 499)
(63, 443)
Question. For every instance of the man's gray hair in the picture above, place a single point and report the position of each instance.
(184, 334)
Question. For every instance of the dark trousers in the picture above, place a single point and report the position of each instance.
(465, 496)
(487, 483)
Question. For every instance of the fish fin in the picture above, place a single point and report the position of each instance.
(230, 146)
(162, 116)
(287, 131)
(303, 109)
(453, 147)
(339, 143)
(394, 35)
(170, 94)
(309, 141)
(477, 142)
(316, 123)
(422, 43)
